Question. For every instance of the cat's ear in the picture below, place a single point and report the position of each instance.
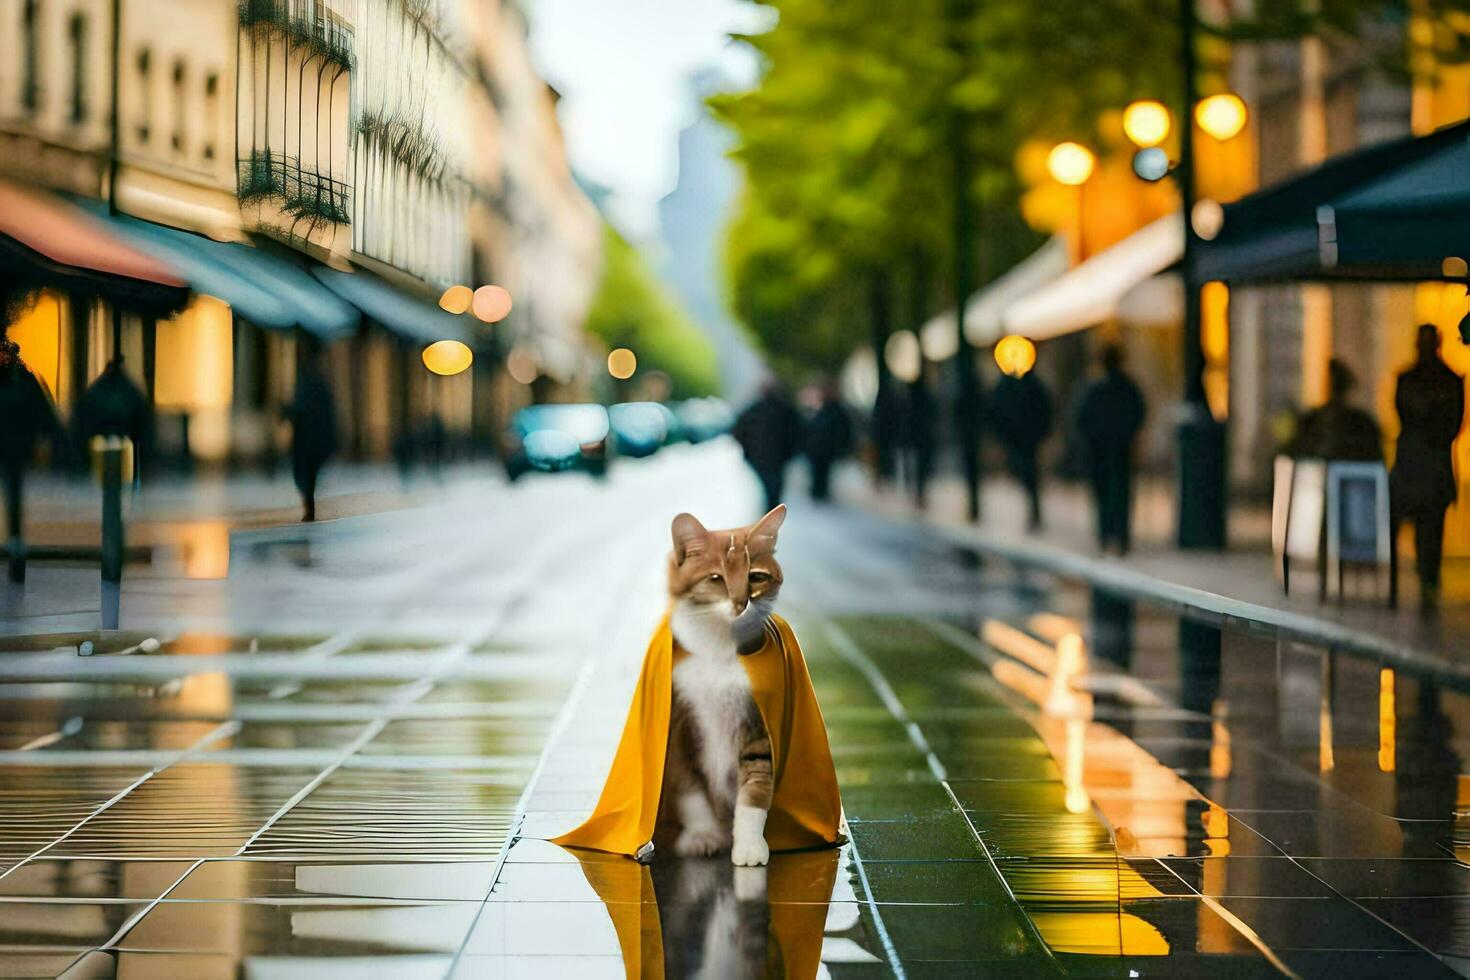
(764, 530)
(689, 537)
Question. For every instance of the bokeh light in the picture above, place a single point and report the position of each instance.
(1222, 116)
(1454, 267)
(456, 299)
(491, 303)
(1151, 164)
(904, 356)
(1070, 163)
(1207, 218)
(1015, 355)
(622, 363)
(1146, 122)
(448, 357)
(521, 365)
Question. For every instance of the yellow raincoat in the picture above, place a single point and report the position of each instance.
(806, 810)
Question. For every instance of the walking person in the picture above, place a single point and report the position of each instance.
(828, 439)
(27, 415)
(923, 416)
(769, 433)
(1021, 415)
(1430, 400)
(313, 417)
(113, 405)
(1109, 416)
(1336, 429)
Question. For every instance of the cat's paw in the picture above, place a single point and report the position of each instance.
(750, 852)
(699, 842)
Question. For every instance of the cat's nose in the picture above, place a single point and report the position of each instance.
(739, 605)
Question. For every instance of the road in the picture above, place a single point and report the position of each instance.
(343, 758)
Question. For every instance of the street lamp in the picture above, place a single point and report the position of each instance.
(1221, 116)
(1015, 355)
(1070, 163)
(622, 363)
(456, 299)
(1146, 123)
(448, 357)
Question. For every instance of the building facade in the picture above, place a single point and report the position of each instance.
(407, 143)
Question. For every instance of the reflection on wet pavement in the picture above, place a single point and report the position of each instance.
(1194, 803)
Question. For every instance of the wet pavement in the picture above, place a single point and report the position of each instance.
(342, 760)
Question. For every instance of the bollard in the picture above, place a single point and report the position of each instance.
(112, 529)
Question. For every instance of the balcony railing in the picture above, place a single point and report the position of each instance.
(302, 192)
(306, 25)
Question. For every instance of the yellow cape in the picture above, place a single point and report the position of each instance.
(806, 810)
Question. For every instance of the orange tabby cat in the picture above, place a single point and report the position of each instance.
(717, 778)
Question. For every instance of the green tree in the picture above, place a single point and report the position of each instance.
(633, 310)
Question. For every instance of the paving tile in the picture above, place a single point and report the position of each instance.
(70, 924)
(1247, 877)
(1373, 878)
(952, 882)
(337, 882)
(250, 929)
(491, 967)
(1437, 922)
(83, 879)
(1315, 923)
(931, 838)
(960, 933)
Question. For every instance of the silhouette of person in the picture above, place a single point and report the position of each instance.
(1021, 415)
(27, 415)
(1430, 399)
(828, 439)
(889, 427)
(1335, 429)
(769, 433)
(112, 405)
(1109, 416)
(923, 436)
(313, 416)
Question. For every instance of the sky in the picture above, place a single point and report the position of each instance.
(624, 69)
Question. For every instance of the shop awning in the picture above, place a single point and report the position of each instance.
(1283, 233)
(1411, 219)
(60, 242)
(983, 311)
(413, 319)
(268, 291)
(1090, 294)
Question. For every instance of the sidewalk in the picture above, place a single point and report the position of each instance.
(1237, 585)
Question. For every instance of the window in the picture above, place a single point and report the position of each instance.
(30, 86)
(178, 135)
(211, 113)
(77, 35)
(145, 71)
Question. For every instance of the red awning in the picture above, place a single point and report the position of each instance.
(67, 236)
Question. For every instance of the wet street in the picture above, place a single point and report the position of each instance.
(344, 759)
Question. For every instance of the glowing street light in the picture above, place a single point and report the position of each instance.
(448, 357)
(1146, 122)
(1070, 163)
(1015, 355)
(1151, 164)
(1222, 116)
(491, 303)
(622, 363)
(456, 299)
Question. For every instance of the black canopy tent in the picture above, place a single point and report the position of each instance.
(1393, 211)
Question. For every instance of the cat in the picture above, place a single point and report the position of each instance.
(717, 776)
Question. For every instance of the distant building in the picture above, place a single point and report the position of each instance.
(693, 218)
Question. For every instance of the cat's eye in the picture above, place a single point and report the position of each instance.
(717, 577)
(760, 577)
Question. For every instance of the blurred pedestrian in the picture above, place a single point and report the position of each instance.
(1430, 400)
(112, 405)
(27, 415)
(828, 439)
(1021, 415)
(1109, 416)
(769, 432)
(313, 416)
(889, 427)
(1337, 430)
(923, 418)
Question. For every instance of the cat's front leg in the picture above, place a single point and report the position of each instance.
(752, 803)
